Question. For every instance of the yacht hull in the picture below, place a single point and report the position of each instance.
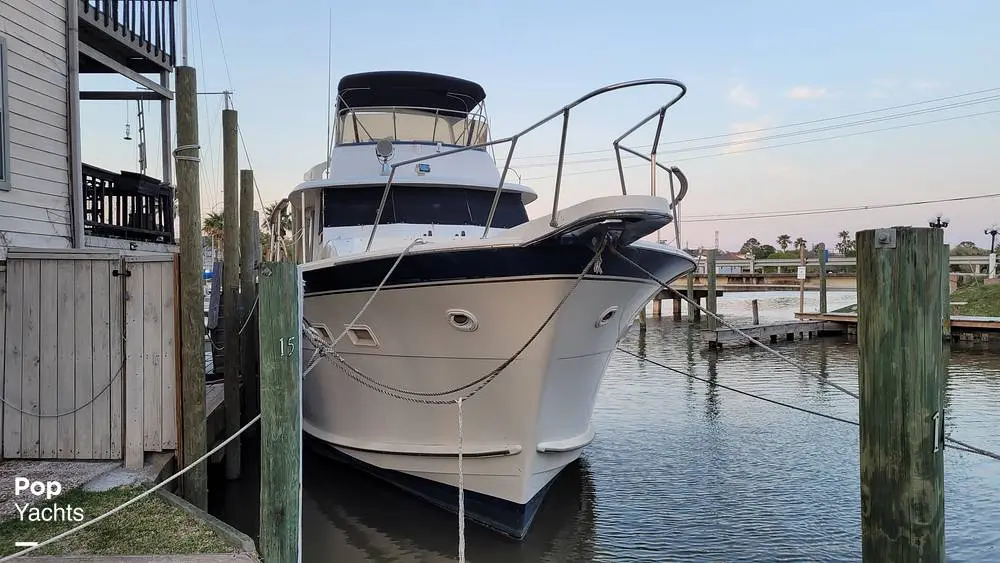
(525, 425)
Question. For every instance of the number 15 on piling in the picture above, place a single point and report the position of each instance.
(286, 346)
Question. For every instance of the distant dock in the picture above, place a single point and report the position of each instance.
(963, 327)
(771, 332)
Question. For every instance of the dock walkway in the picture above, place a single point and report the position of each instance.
(771, 332)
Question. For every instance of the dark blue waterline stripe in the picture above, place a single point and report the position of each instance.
(591, 277)
(463, 265)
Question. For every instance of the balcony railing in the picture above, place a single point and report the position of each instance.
(145, 26)
(127, 206)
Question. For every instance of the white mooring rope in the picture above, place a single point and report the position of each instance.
(461, 490)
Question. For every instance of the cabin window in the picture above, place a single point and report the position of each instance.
(423, 205)
(4, 129)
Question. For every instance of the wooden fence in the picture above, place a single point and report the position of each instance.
(88, 355)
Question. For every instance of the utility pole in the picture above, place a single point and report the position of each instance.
(231, 285)
(901, 386)
(192, 298)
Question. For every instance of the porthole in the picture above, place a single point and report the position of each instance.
(361, 335)
(460, 319)
(606, 316)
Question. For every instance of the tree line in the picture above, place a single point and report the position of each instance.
(846, 246)
(213, 227)
(754, 248)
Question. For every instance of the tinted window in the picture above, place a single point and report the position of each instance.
(421, 205)
(346, 207)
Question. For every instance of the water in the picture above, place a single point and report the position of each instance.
(683, 472)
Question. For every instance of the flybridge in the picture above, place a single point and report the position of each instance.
(410, 107)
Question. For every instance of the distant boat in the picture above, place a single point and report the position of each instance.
(458, 306)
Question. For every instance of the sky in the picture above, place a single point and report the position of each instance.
(752, 68)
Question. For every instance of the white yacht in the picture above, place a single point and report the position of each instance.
(517, 316)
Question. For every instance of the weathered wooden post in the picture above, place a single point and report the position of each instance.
(280, 410)
(802, 278)
(657, 306)
(946, 293)
(755, 310)
(194, 483)
(821, 254)
(642, 320)
(677, 309)
(248, 293)
(710, 299)
(231, 286)
(693, 314)
(901, 384)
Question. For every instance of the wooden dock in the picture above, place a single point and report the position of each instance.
(771, 332)
(963, 327)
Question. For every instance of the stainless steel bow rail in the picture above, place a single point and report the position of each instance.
(659, 115)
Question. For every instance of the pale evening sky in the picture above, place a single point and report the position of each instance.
(748, 65)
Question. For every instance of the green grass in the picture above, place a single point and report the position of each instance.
(982, 300)
(151, 526)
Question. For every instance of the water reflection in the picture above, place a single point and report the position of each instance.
(351, 516)
(712, 407)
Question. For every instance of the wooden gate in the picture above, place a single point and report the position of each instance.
(151, 404)
(87, 355)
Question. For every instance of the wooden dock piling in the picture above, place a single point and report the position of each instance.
(693, 312)
(821, 254)
(192, 305)
(280, 409)
(802, 280)
(710, 298)
(677, 309)
(901, 386)
(248, 293)
(755, 311)
(946, 293)
(231, 286)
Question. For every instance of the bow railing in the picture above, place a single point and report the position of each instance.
(659, 114)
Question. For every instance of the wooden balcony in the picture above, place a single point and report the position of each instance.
(127, 206)
(138, 34)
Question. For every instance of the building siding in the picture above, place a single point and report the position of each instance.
(35, 212)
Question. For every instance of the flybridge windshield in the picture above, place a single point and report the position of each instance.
(369, 125)
(423, 205)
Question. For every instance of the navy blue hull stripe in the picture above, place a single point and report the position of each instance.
(488, 264)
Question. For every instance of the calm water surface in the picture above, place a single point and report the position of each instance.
(683, 472)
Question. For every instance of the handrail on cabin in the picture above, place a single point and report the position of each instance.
(564, 112)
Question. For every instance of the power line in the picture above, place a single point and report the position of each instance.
(784, 126)
(869, 121)
(222, 45)
(801, 212)
(780, 145)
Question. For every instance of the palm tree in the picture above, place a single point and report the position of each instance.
(285, 224)
(800, 243)
(783, 241)
(213, 227)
